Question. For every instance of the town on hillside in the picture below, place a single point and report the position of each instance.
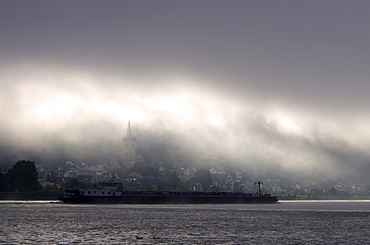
(133, 172)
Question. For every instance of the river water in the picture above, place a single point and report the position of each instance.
(288, 222)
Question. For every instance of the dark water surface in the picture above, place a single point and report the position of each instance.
(289, 222)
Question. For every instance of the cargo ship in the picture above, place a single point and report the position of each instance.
(107, 193)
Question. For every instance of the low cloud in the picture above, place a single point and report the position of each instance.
(64, 110)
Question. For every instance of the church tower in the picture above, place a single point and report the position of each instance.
(129, 148)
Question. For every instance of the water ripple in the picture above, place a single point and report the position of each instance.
(286, 223)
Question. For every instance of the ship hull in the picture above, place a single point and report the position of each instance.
(168, 199)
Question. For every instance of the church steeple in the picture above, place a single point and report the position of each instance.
(129, 132)
(129, 148)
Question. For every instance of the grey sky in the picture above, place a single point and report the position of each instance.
(313, 51)
(301, 64)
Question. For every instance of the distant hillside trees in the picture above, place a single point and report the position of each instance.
(75, 184)
(173, 180)
(22, 177)
(203, 177)
(146, 169)
(3, 182)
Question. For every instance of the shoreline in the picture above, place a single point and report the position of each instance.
(30, 196)
(324, 198)
(53, 195)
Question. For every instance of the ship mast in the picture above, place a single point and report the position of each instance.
(259, 183)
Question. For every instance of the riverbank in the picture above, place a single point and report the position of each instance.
(53, 195)
(36, 195)
(299, 197)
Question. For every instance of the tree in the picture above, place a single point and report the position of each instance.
(237, 187)
(203, 176)
(23, 177)
(148, 187)
(174, 180)
(145, 169)
(333, 192)
(75, 184)
(3, 182)
(168, 165)
(316, 191)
